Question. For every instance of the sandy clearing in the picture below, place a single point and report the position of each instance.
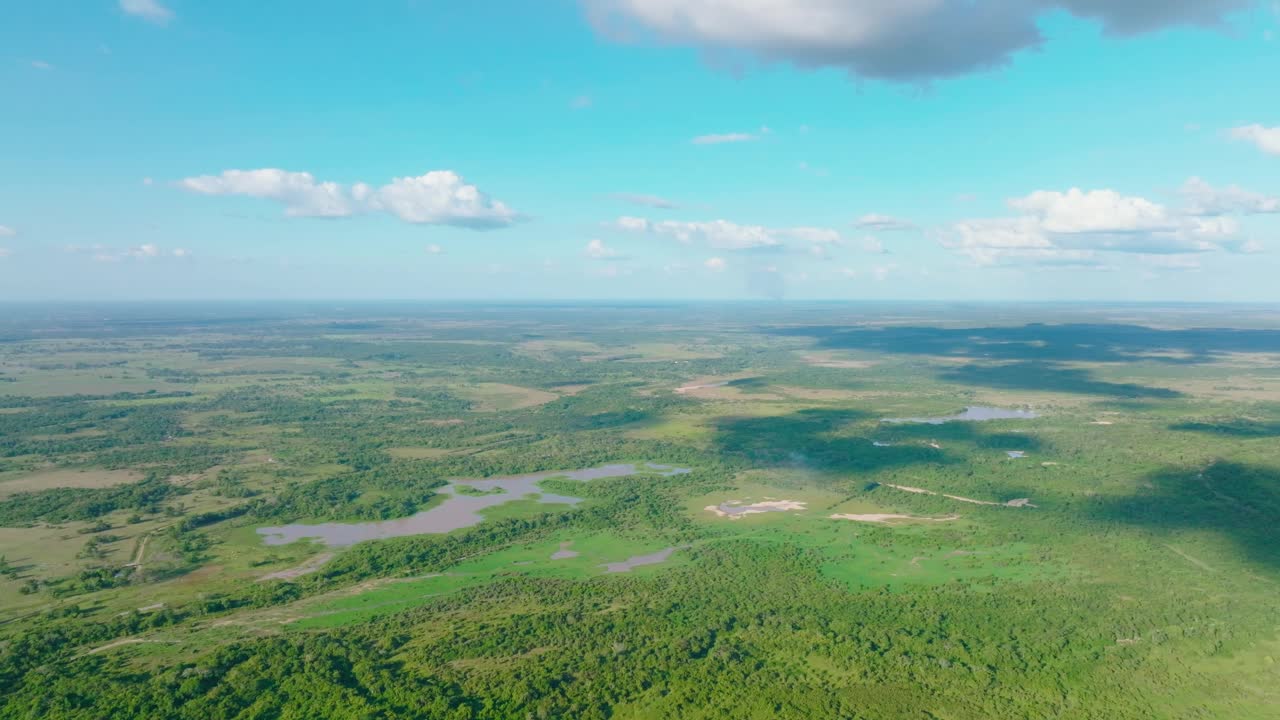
(737, 512)
(887, 518)
(1018, 503)
(305, 568)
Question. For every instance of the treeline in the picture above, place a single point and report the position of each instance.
(57, 505)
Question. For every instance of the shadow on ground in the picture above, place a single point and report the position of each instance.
(1049, 377)
(1240, 428)
(843, 441)
(1047, 343)
(1242, 502)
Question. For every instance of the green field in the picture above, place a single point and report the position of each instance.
(1116, 556)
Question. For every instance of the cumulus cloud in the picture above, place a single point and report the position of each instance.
(439, 197)
(883, 223)
(434, 249)
(41, 65)
(150, 10)
(299, 192)
(6, 231)
(5, 252)
(652, 201)
(715, 264)
(726, 235)
(901, 40)
(1070, 228)
(1204, 199)
(1267, 139)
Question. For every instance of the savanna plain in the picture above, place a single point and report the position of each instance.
(736, 510)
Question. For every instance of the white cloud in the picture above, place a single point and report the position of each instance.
(299, 192)
(1171, 262)
(1204, 199)
(632, 224)
(41, 65)
(883, 223)
(597, 250)
(1266, 139)
(1069, 228)
(872, 245)
(723, 138)
(150, 10)
(652, 201)
(901, 40)
(1096, 211)
(440, 197)
(581, 102)
(5, 252)
(434, 249)
(148, 181)
(143, 251)
(726, 235)
(715, 264)
(6, 231)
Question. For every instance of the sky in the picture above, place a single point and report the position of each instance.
(1013, 150)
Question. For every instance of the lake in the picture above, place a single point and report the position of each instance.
(458, 510)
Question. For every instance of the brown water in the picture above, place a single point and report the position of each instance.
(457, 511)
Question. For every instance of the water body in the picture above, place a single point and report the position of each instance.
(636, 561)
(970, 414)
(458, 510)
(564, 553)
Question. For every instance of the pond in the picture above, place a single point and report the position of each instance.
(461, 508)
(970, 414)
(636, 561)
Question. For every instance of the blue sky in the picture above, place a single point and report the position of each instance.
(862, 149)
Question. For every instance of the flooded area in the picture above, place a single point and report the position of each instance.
(564, 553)
(976, 413)
(636, 561)
(736, 510)
(461, 508)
